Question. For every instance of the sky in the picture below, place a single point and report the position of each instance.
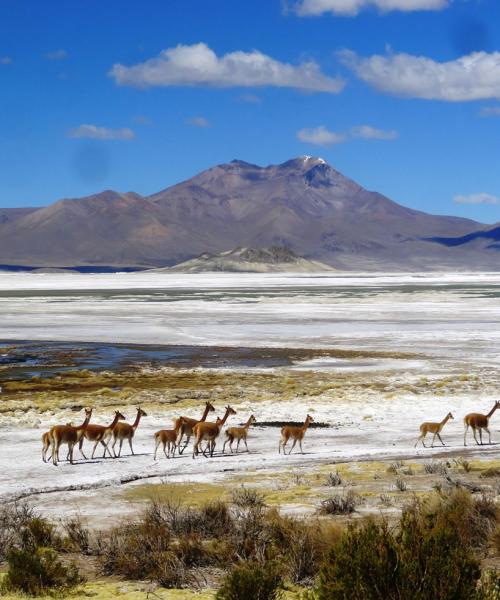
(403, 96)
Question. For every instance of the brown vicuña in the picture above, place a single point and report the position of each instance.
(209, 432)
(100, 434)
(238, 433)
(168, 438)
(479, 421)
(47, 442)
(125, 431)
(296, 433)
(432, 427)
(184, 426)
(67, 434)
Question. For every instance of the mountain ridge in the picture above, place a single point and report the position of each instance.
(303, 204)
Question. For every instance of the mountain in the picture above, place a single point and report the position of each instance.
(303, 204)
(276, 259)
(11, 214)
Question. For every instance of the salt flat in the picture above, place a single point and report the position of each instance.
(450, 322)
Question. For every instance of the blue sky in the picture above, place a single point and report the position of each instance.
(140, 95)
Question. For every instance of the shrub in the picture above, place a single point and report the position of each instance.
(400, 484)
(251, 581)
(490, 472)
(333, 479)
(362, 566)
(430, 557)
(247, 498)
(436, 467)
(462, 463)
(340, 504)
(78, 536)
(37, 571)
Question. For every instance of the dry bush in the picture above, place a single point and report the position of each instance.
(400, 484)
(247, 498)
(333, 479)
(340, 504)
(78, 536)
(436, 467)
(490, 472)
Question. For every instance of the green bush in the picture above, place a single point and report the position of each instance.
(430, 556)
(251, 581)
(38, 571)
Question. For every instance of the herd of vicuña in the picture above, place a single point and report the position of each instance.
(203, 431)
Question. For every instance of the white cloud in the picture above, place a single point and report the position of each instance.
(198, 65)
(5, 60)
(101, 133)
(490, 111)
(60, 54)
(199, 122)
(472, 77)
(353, 7)
(372, 133)
(480, 198)
(320, 136)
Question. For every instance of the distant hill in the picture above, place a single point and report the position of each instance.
(276, 259)
(303, 204)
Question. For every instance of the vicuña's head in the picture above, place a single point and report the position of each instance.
(230, 411)
(141, 412)
(309, 419)
(210, 406)
(449, 415)
(119, 415)
(88, 411)
(497, 404)
(252, 419)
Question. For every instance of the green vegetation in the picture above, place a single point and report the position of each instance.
(251, 581)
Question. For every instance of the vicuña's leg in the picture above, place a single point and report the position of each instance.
(433, 438)
(293, 446)
(489, 434)
(245, 440)
(130, 444)
(481, 435)
(300, 444)
(441, 440)
(475, 436)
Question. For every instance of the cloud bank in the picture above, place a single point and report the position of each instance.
(322, 136)
(480, 198)
(198, 65)
(351, 8)
(472, 77)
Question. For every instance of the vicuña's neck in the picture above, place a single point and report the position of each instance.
(137, 419)
(85, 422)
(205, 413)
(443, 422)
(224, 418)
(248, 423)
(115, 421)
(492, 410)
(306, 424)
